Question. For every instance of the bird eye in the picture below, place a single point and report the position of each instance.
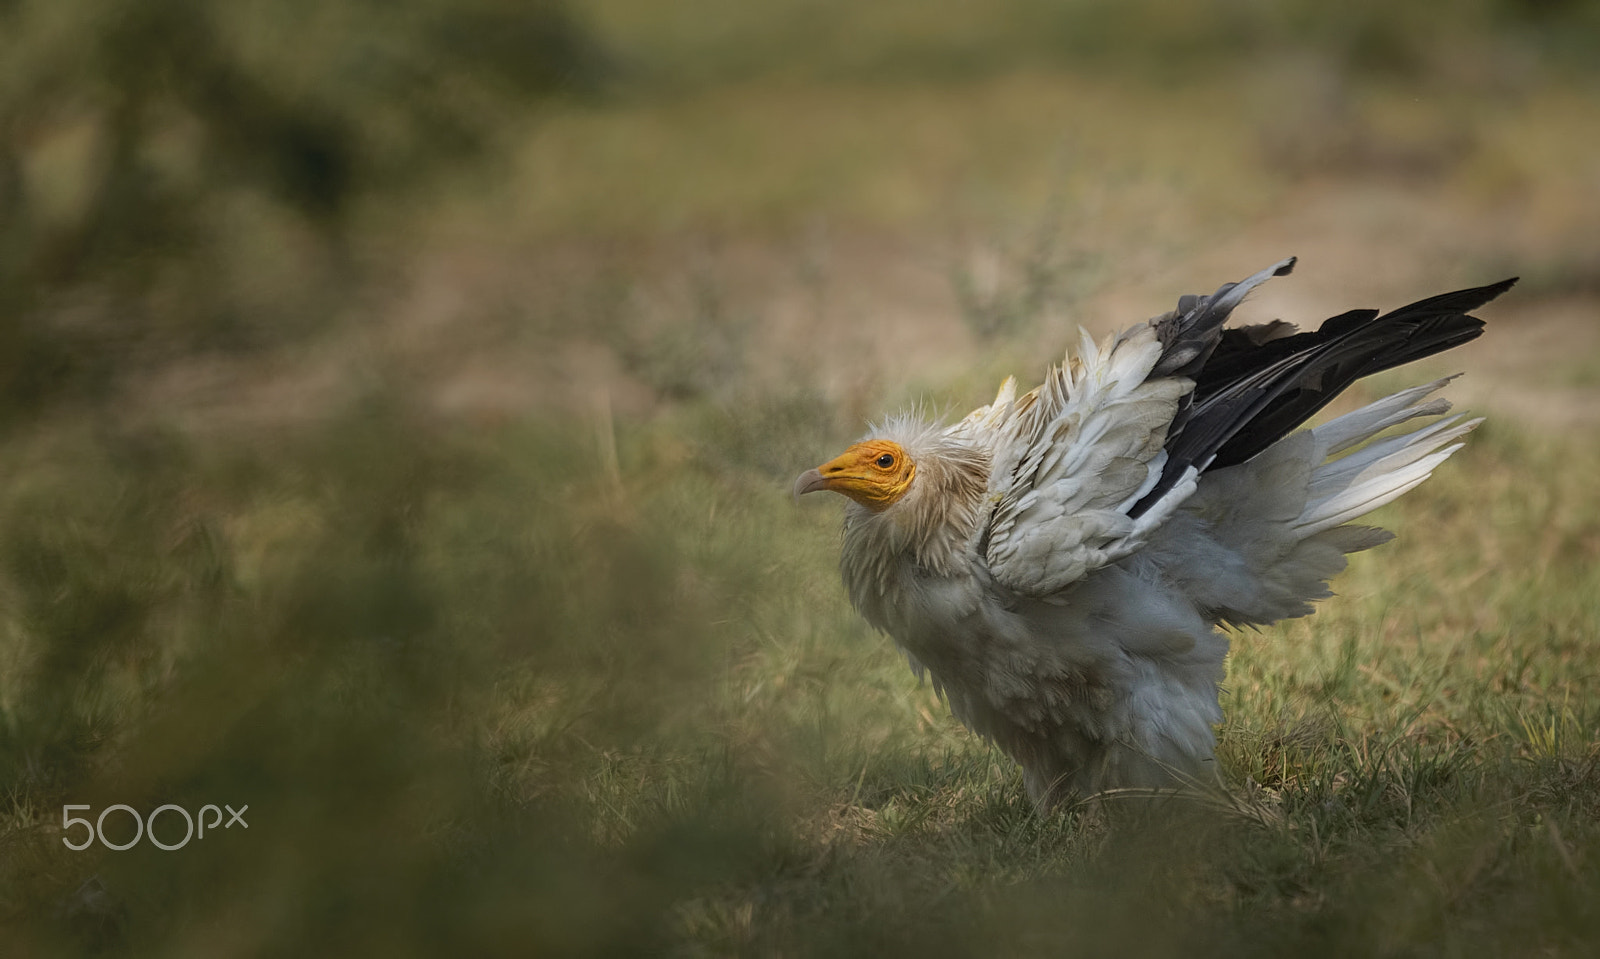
(885, 461)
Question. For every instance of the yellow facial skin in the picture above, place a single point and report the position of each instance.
(875, 474)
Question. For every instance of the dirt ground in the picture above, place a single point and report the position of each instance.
(490, 331)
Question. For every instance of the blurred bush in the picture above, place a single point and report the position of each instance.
(179, 174)
(467, 681)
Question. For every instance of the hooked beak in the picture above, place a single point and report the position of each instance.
(809, 482)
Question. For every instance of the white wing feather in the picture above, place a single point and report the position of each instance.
(1070, 460)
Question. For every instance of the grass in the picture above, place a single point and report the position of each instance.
(509, 687)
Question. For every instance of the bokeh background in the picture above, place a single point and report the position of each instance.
(398, 404)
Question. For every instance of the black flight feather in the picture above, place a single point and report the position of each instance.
(1255, 385)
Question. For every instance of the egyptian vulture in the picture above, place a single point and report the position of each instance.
(1059, 562)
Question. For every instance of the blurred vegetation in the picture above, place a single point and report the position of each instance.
(684, 45)
(492, 689)
(179, 175)
(561, 682)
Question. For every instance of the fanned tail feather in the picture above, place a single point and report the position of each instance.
(1260, 541)
(1347, 488)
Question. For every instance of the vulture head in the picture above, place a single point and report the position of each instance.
(875, 473)
(917, 493)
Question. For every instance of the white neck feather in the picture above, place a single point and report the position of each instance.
(931, 529)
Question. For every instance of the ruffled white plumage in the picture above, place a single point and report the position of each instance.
(1077, 630)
